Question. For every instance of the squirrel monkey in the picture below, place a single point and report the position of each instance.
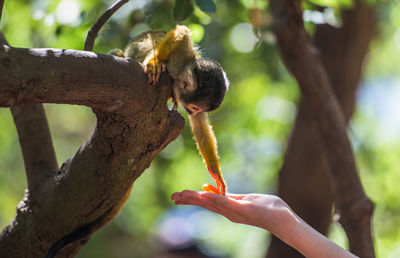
(199, 84)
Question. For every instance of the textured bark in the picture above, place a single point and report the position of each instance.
(35, 140)
(319, 166)
(133, 125)
(70, 77)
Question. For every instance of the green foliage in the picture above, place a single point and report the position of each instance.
(333, 3)
(207, 6)
(252, 126)
(183, 9)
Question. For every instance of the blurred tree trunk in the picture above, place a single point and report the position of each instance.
(303, 181)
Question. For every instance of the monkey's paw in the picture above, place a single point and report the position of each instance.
(116, 52)
(153, 70)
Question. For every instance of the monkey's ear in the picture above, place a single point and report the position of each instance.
(188, 83)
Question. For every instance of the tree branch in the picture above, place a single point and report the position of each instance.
(300, 57)
(35, 140)
(70, 77)
(133, 125)
(92, 34)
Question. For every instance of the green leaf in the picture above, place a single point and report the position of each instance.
(333, 3)
(183, 9)
(207, 6)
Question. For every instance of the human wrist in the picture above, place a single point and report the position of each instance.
(282, 222)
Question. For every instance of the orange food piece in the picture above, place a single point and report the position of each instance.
(210, 188)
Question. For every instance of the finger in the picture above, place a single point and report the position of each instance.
(224, 204)
(192, 198)
(163, 67)
(201, 197)
(204, 205)
(228, 207)
(206, 197)
(146, 69)
(196, 202)
(185, 195)
(181, 203)
(176, 196)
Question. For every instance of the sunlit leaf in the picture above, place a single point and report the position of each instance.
(183, 9)
(333, 3)
(197, 32)
(207, 6)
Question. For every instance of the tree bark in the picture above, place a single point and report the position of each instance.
(35, 140)
(310, 180)
(133, 125)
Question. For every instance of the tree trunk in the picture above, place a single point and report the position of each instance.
(133, 125)
(304, 181)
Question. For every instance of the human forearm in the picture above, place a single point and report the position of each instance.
(295, 232)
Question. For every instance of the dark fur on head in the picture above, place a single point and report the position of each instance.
(212, 84)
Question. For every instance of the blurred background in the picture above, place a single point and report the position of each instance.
(252, 125)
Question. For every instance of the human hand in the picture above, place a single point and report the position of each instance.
(258, 210)
(268, 212)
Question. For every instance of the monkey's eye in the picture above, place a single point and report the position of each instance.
(195, 108)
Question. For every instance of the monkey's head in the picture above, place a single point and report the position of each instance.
(201, 86)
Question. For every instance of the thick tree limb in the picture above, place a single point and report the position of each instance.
(69, 77)
(301, 59)
(133, 125)
(304, 182)
(92, 34)
(35, 140)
